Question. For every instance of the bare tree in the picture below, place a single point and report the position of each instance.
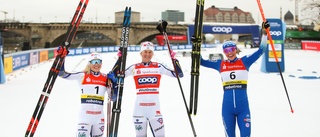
(309, 12)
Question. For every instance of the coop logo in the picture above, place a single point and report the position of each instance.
(222, 29)
(275, 33)
(148, 80)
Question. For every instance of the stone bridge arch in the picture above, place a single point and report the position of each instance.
(54, 33)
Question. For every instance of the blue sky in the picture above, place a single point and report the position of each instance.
(150, 10)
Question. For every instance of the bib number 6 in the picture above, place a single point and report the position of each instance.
(233, 75)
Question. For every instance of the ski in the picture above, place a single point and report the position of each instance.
(116, 107)
(55, 68)
(195, 56)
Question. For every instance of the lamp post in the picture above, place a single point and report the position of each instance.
(5, 15)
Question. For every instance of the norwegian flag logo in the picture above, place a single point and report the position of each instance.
(158, 112)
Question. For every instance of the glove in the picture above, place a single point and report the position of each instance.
(193, 38)
(162, 26)
(265, 25)
(114, 91)
(112, 77)
(62, 50)
(59, 50)
(173, 54)
(119, 54)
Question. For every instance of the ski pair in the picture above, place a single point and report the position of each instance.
(195, 57)
(113, 125)
(55, 68)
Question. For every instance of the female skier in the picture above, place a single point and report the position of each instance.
(147, 75)
(95, 87)
(234, 76)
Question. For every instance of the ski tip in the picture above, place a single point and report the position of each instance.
(292, 111)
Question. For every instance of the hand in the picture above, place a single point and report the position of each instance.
(62, 50)
(119, 54)
(112, 77)
(172, 54)
(193, 38)
(162, 26)
(265, 25)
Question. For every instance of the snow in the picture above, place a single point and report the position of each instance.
(270, 109)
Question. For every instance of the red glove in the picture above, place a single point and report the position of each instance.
(62, 50)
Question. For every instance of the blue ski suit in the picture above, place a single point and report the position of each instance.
(234, 76)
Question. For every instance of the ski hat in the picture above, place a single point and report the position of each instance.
(146, 46)
(228, 44)
(94, 56)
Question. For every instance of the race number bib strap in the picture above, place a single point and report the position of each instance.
(92, 99)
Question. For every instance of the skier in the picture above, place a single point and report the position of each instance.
(95, 88)
(147, 75)
(234, 76)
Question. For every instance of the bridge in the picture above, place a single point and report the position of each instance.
(39, 34)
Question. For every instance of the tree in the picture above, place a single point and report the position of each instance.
(310, 11)
(313, 8)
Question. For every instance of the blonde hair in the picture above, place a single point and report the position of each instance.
(87, 69)
(238, 51)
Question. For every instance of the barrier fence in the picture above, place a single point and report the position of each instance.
(23, 59)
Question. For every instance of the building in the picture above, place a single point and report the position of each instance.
(172, 16)
(288, 18)
(227, 15)
(135, 16)
(168, 15)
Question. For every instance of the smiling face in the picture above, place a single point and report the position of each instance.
(95, 62)
(146, 55)
(95, 65)
(146, 51)
(230, 49)
(230, 52)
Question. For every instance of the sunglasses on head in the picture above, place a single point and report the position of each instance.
(229, 49)
(96, 61)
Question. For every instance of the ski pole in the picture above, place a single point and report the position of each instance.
(274, 52)
(162, 28)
